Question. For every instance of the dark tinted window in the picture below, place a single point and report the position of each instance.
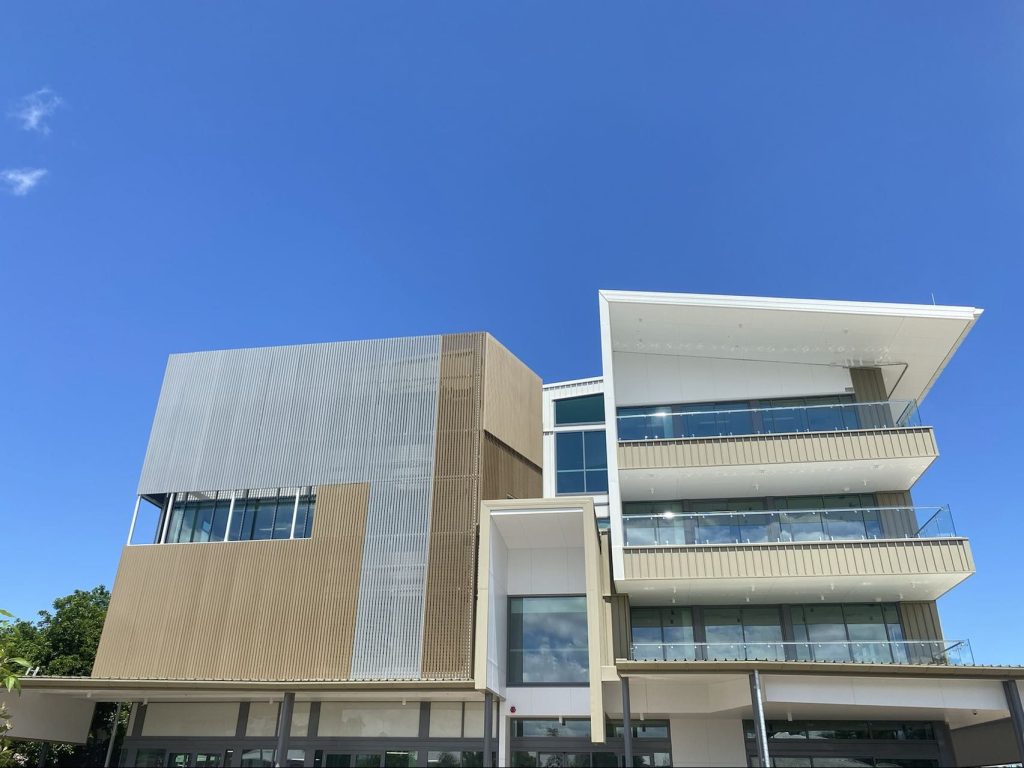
(588, 409)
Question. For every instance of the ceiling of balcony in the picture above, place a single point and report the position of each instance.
(910, 342)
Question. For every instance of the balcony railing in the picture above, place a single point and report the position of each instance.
(941, 652)
(700, 421)
(796, 525)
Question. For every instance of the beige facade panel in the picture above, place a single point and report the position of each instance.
(245, 610)
(897, 523)
(868, 385)
(507, 474)
(846, 558)
(917, 442)
(479, 380)
(448, 612)
(921, 620)
(512, 409)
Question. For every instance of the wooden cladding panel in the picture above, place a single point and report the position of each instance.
(512, 402)
(921, 621)
(507, 473)
(918, 442)
(782, 560)
(248, 610)
(868, 385)
(451, 565)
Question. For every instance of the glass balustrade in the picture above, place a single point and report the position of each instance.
(661, 423)
(941, 652)
(731, 527)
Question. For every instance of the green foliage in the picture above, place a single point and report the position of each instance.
(61, 643)
(11, 670)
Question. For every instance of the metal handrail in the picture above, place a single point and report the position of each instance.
(937, 652)
(938, 525)
(882, 414)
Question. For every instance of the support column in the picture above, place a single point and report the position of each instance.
(627, 726)
(1013, 703)
(113, 736)
(488, 727)
(44, 751)
(284, 729)
(760, 730)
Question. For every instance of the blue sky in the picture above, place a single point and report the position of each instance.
(235, 174)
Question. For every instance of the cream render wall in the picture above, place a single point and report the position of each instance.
(707, 742)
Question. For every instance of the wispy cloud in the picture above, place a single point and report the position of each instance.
(20, 181)
(33, 110)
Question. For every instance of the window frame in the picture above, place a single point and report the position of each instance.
(508, 643)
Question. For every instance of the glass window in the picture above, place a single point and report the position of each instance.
(535, 728)
(663, 634)
(744, 634)
(588, 409)
(581, 462)
(258, 758)
(150, 758)
(547, 641)
(203, 517)
(851, 632)
(649, 729)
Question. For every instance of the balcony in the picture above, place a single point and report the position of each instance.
(700, 452)
(708, 421)
(936, 652)
(671, 529)
(855, 554)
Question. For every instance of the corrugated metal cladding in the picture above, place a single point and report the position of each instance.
(346, 412)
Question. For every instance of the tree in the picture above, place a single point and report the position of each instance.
(64, 643)
(11, 670)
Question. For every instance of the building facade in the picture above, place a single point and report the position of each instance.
(410, 552)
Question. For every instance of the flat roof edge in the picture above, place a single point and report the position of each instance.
(802, 305)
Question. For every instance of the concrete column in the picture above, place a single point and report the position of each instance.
(284, 728)
(760, 730)
(1013, 703)
(627, 726)
(488, 727)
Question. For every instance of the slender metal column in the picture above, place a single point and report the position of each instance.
(627, 726)
(1013, 703)
(44, 751)
(760, 730)
(284, 729)
(488, 727)
(113, 736)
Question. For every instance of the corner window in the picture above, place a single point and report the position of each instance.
(588, 409)
(280, 513)
(581, 462)
(547, 641)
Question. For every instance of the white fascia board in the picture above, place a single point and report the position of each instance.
(611, 438)
(801, 305)
(572, 382)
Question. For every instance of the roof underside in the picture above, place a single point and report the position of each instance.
(911, 343)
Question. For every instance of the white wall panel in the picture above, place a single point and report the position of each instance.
(646, 379)
(707, 742)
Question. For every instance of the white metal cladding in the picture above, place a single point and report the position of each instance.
(344, 412)
(288, 416)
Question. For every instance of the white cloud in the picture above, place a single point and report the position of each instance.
(33, 110)
(22, 180)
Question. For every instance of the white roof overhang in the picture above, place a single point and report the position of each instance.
(911, 343)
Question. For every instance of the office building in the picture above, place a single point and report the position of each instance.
(413, 552)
